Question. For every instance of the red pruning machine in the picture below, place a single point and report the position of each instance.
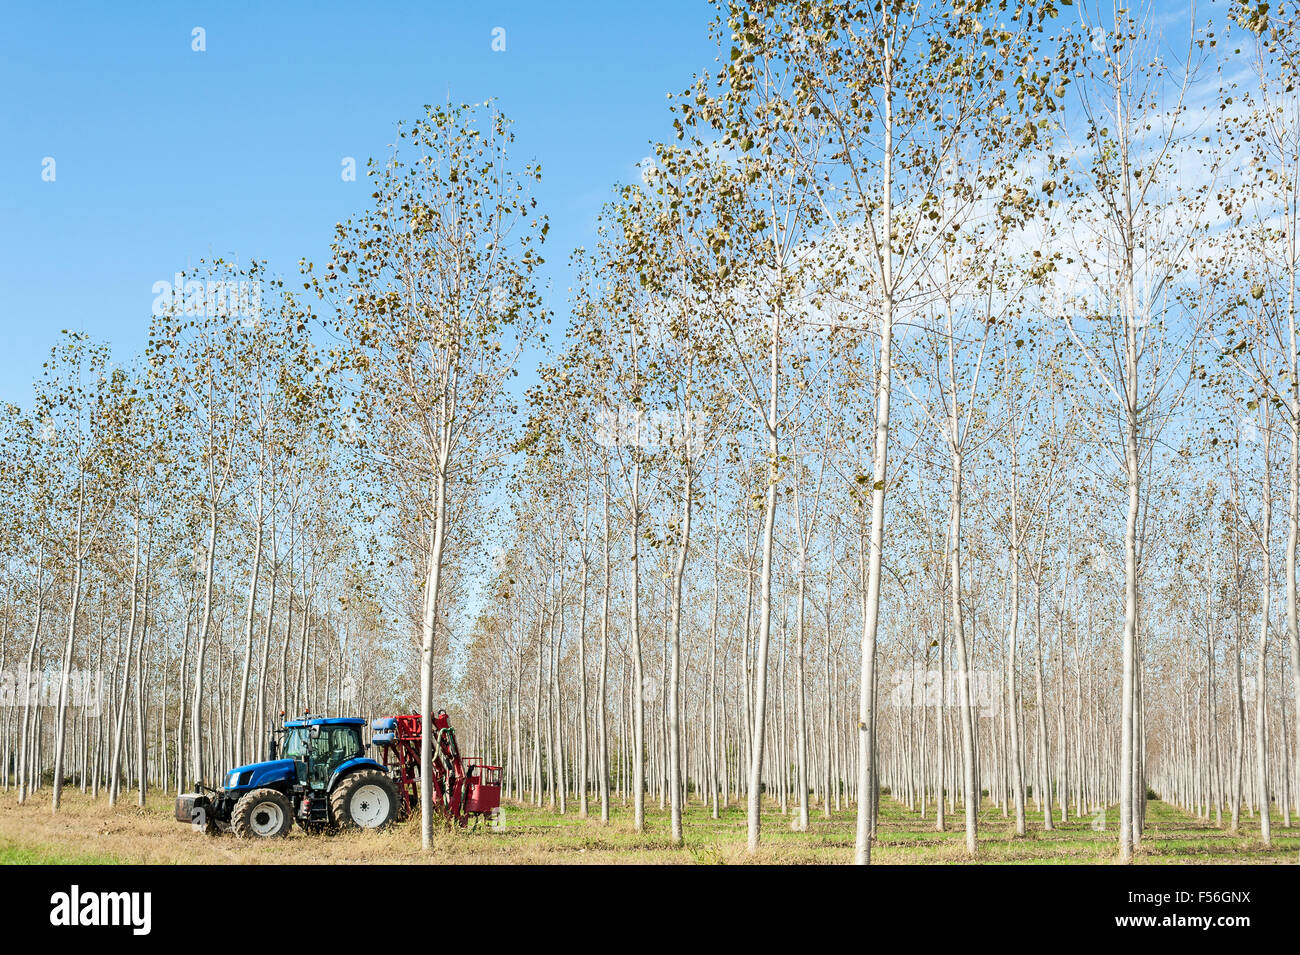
(462, 789)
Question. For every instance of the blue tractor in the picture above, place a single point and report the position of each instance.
(318, 775)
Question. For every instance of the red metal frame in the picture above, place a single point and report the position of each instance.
(460, 787)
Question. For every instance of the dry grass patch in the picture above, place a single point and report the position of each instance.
(88, 831)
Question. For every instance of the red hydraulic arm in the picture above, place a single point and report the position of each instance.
(461, 788)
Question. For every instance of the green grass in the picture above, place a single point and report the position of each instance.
(11, 853)
(903, 837)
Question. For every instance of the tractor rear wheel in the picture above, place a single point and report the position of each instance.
(262, 814)
(366, 800)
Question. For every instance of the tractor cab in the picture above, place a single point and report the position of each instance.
(319, 747)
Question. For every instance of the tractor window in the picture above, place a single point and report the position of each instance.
(347, 741)
(295, 744)
(334, 746)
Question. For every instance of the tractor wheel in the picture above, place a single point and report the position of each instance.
(262, 814)
(366, 800)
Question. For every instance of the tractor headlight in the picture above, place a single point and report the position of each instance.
(233, 781)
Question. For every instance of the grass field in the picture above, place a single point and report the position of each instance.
(88, 832)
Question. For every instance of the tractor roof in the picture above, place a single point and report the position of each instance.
(325, 721)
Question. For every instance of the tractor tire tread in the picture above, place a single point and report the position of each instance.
(339, 817)
(241, 815)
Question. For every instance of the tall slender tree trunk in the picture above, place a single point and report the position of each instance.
(674, 670)
(141, 674)
(868, 786)
(801, 716)
(74, 605)
(115, 769)
(582, 684)
(25, 741)
(1261, 673)
(1240, 714)
(601, 703)
(1016, 756)
(263, 673)
(1293, 469)
(1043, 784)
(429, 622)
(638, 679)
(755, 793)
(970, 784)
(205, 624)
(249, 619)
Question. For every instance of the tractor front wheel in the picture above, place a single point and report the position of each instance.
(366, 800)
(262, 814)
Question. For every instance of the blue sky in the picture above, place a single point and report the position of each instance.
(163, 155)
